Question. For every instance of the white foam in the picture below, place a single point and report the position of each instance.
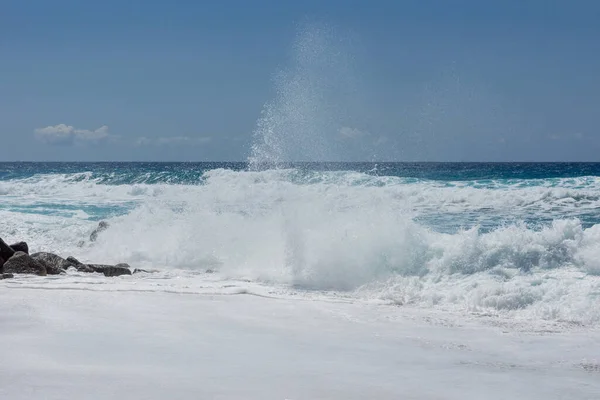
(101, 344)
(342, 232)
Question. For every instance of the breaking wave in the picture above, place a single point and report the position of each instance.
(530, 247)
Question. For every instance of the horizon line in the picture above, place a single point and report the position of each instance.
(307, 162)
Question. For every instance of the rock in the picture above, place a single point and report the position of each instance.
(6, 276)
(116, 271)
(79, 266)
(107, 270)
(102, 226)
(111, 270)
(54, 264)
(22, 263)
(6, 251)
(74, 261)
(21, 246)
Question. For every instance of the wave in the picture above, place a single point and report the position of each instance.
(530, 248)
(449, 204)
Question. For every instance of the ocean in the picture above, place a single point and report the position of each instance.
(513, 241)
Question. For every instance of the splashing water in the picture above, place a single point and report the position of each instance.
(526, 247)
(316, 103)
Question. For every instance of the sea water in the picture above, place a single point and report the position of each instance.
(520, 241)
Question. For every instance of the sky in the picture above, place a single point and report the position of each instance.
(336, 80)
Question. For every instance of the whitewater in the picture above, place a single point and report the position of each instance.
(518, 248)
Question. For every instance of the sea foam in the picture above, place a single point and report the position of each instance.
(511, 247)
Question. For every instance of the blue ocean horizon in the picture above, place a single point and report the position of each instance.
(188, 171)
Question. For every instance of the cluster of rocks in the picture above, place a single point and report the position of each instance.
(15, 259)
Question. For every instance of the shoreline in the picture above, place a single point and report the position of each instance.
(102, 344)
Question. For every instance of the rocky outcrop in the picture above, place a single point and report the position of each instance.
(112, 270)
(15, 259)
(54, 264)
(74, 261)
(6, 251)
(107, 270)
(21, 246)
(6, 276)
(22, 263)
(79, 266)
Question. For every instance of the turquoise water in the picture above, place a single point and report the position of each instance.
(570, 188)
(191, 173)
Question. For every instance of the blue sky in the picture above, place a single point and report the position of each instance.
(394, 80)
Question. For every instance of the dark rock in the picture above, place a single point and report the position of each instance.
(210, 271)
(79, 266)
(6, 251)
(6, 276)
(22, 263)
(21, 246)
(107, 270)
(111, 270)
(54, 264)
(74, 261)
(102, 226)
(85, 268)
(1, 265)
(116, 271)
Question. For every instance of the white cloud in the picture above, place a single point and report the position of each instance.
(347, 133)
(173, 141)
(62, 134)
